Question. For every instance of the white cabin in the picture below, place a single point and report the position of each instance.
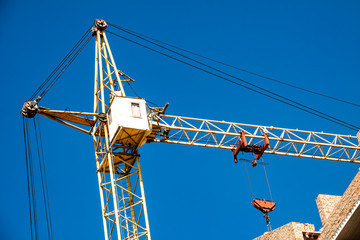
(129, 121)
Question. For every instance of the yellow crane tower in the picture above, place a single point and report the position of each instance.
(120, 124)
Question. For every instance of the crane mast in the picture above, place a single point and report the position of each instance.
(118, 168)
(119, 125)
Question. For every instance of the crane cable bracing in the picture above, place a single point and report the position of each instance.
(234, 67)
(30, 170)
(62, 66)
(43, 89)
(252, 86)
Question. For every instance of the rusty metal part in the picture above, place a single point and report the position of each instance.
(99, 24)
(30, 108)
(165, 133)
(254, 163)
(264, 206)
(244, 147)
(102, 117)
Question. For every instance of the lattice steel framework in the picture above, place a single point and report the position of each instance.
(118, 168)
(224, 135)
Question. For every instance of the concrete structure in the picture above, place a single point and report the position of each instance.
(340, 216)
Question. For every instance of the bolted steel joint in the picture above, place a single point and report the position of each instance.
(30, 109)
(99, 24)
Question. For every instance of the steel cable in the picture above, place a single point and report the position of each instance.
(30, 181)
(27, 174)
(88, 31)
(242, 80)
(241, 69)
(304, 108)
(65, 67)
(43, 179)
(46, 185)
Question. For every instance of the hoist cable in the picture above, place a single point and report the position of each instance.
(33, 189)
(30, 181)
(241, 69)
(28, 175)
(248, 177)
(46, 185)
(65, 67)
(324, 116)
(43, 180)
(267, 180)
(88, 31)
(242, 80)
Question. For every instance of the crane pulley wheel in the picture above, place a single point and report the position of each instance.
(30, 108)
(100, 24)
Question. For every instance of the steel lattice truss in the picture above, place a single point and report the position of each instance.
(121, 188)
(224, 135)
(118, 167)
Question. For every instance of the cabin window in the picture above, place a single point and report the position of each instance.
(135, 109)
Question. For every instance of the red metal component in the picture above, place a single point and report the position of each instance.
(244, 147)
(263, 205)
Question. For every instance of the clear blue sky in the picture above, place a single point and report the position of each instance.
(192, 193)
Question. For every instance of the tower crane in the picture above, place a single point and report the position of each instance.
(120, 125)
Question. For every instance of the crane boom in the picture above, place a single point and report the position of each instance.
(224, 135)
(283, 141)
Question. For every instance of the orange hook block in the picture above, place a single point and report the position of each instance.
(264, 206)
(244, 147)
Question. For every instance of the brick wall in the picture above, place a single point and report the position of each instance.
(290, 231)
(342, 209)
(326, 204)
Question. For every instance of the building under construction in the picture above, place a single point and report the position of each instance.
(340, 217)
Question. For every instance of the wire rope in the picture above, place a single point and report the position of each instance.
(242, 80)
(69, 54)
(304, 108)
(33, 189)
(241, 69)
(43, 179)
(248, 177)
(30, 181)
(267, 180)
(46, 185)
(139, 96)
(25, 129)
(65, 67)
